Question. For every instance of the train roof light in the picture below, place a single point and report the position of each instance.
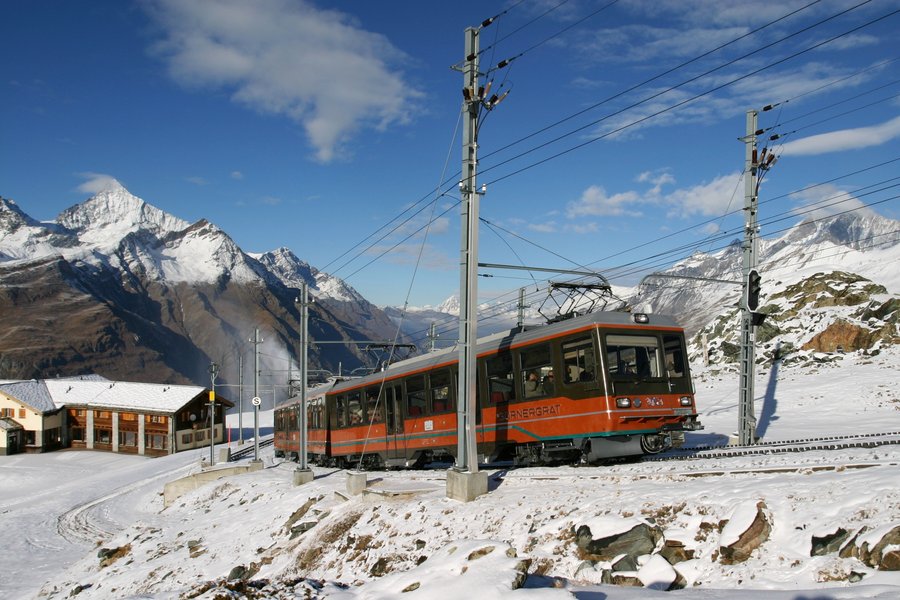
(641, 317)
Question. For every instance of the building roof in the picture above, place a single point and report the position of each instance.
(7, 424)
(49, 395)
(32, 393)
(123, 395)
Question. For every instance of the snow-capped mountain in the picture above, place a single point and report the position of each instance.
(117, 286)
(864, 248)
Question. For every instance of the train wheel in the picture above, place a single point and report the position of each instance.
(655, 443)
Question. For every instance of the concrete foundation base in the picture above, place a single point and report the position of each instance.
(225, 454)
(302, 476)
(465, 486)
(356, 483)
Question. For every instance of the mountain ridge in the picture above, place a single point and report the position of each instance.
(119, 287)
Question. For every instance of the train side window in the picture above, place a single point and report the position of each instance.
(374, 406)
(674, 355)
(501, 385)
(579, 364)
(633, 356)
(415, 396)
(537, 373)
(340, 411)
(353, 403)
(441, 398)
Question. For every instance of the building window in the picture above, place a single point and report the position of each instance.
(78, 434)
(128, 439)
(21, 413)
(187, 439)
(102, 436)
(128, 416)
(160, 419)
(8, 412)
(155, 441)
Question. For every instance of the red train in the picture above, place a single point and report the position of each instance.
(598, 386)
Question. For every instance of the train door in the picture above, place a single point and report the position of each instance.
(396, 447)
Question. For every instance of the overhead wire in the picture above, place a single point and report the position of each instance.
(684, 102)
(657, 113)
(580, 112)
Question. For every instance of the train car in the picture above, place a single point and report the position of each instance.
(598, 386)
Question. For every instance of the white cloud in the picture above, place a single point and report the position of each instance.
(288, 57)
(845, 139)
(710, 228)
(97, 182)
(236, 175)
(825, 201)
(546, 227)
(713, 198)
(595, 201)
(658, 178)
(197, 180)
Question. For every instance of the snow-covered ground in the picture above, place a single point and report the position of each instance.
(407, 540)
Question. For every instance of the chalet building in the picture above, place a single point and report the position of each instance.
(97, 414)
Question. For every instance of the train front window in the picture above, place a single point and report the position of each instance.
(578, 361)
(633, 356)
(674, 356)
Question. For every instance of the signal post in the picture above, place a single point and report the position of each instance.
(751, 279)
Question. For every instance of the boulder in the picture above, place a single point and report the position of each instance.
(675, 552)
(640, 539)
(752, 537)
(871, 552)
(828, 543)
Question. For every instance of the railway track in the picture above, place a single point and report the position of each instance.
(838, 442)
(248, 451)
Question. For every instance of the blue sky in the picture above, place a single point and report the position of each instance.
(315, 125)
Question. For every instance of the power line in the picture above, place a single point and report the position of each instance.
(438, 188)
(671, 107)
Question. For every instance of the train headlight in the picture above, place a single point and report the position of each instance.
(623, 402)
(641, 317)
(685, 401)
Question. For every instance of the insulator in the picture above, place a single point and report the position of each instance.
(502, 64)
(774, 137)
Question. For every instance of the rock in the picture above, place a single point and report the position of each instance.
(657, 574)
(625, 562)
(828, 543)
(872, 555)
(640, 539)
(675, 552)
(855, 577)
(237, 573)
(890, 561)
(748, 541)
(625, 580)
